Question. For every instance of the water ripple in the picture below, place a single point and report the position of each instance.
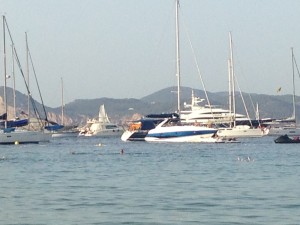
(79, 182)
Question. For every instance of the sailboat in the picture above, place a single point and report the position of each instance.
(171, 129)
(12, 135)
(235, 130)
(101, 126)
(288, 126)
(64, 131)
(16, 121)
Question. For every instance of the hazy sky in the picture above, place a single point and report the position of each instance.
(126, 48)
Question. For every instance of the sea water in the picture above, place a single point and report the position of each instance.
(107, 181)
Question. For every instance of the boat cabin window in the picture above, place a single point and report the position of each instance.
(111, 127)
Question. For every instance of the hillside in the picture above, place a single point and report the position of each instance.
(165, 100)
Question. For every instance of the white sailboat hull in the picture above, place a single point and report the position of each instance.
(24, 137)
(243, 131)
(108, 133)
(279, 131)
(65, 134)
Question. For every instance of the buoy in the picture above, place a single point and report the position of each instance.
(16, 143)
(100, 145)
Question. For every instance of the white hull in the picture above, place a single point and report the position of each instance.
(65, 134)
(108, 133)
(101, 127)
(104, 133)
(126, 135)
(290, 131)
(165, 133)
(240, 132)
(24, 137)
(189, 139)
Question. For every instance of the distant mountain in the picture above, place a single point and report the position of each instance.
(21, 102)
(279, 106)
(165, 100)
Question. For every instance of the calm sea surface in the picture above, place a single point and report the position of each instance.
(76, 181)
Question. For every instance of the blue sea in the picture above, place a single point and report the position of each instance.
(88, 181)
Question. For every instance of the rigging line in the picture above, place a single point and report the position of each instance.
(251, 100)
(250, 97)
(243, 100)
(38, 86)
(22, 73)
(36, 112)
(296, 64)
(197, 66)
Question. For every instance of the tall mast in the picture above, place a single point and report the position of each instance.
(294, 94)
(62, 102)
(27, 63)
(14, 79)
(5, 75)
(232, 76)
(229, 91)
(177, 57)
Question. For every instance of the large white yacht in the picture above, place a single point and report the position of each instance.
(101, 126)
(201, 113)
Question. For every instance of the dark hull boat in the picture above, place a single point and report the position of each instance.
(284, 139)
(138, 130)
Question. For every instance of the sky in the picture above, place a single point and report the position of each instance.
(126, 48)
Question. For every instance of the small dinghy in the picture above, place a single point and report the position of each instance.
(286, 139)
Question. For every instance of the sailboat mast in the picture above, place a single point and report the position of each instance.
(62, 102)
(177, 57)
(229, 91)
(5, 75)
(27, 71)
(294, 94)
(14, 79)
(232, 79)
